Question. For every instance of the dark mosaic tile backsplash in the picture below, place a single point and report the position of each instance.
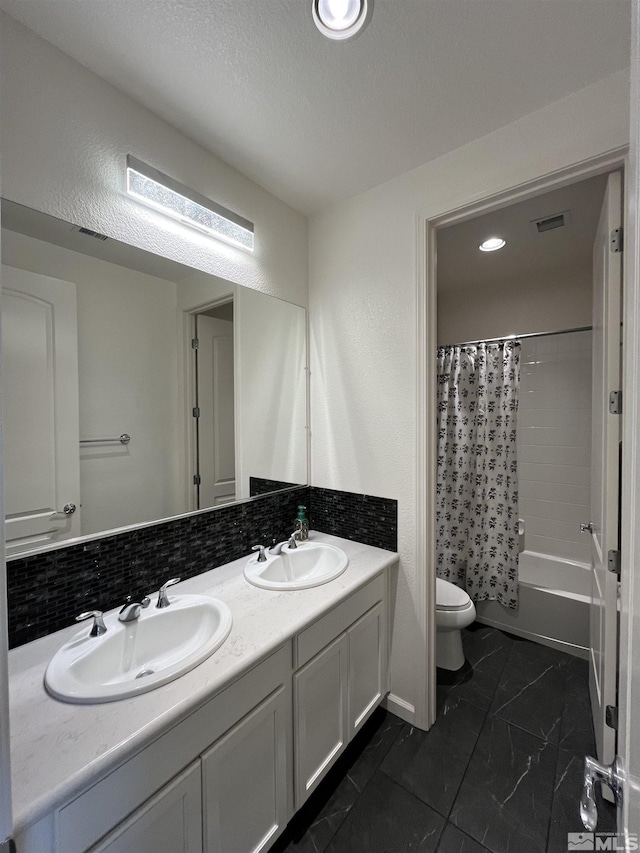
(361, 518)
(46, 591)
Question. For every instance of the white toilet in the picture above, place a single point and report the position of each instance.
(454, 611)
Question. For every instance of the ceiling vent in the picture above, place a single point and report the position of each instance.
(550, 223)
(89, 233)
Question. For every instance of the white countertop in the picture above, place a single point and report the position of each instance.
(59, 749)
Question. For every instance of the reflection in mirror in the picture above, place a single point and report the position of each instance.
(136, 388)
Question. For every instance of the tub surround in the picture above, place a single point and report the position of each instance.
(46, 590)
(59, 749)
(554, 607)
(554, 444)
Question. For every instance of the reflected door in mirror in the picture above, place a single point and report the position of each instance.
(216, 423)
(40, 376)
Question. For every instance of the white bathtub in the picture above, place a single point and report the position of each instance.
(554, 604)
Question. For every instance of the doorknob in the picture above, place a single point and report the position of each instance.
(611, 774)
(69, 509)
(586, 528)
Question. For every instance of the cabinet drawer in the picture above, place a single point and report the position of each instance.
(85, 820)
(312, 640)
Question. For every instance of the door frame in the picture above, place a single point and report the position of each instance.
(186, 333)
(629, 635)
(426, 432)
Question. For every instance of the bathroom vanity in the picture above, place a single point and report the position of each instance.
(221, 758)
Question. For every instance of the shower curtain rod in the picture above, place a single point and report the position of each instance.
(518, 337)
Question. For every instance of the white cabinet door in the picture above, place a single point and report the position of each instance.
(367, 676)
(245, 778)
(171, 821)
(320, 711)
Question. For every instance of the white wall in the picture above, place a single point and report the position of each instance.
(515, 308)
(64, 136)
(364, 257)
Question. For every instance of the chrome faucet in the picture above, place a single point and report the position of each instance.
(98, 628)
(262, 557)
(130, 610)
(163, 598)
(292, 539)
(290, 543)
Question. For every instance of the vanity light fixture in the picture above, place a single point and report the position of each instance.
(171, 197)
(341, 19)
(492, 244)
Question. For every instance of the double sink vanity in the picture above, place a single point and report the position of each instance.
(205, 724)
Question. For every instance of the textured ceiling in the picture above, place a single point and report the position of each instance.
(528, 254)
(315, 121)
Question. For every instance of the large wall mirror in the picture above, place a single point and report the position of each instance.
(135, 388)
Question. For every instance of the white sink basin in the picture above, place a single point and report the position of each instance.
(134, 657)
(310, 564)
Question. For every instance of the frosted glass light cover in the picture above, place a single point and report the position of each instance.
(187, 210)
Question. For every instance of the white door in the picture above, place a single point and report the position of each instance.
(216, 425)
(40, 403)
(607, 269)
(629, 689)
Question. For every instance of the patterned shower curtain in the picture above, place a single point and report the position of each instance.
(477, 485)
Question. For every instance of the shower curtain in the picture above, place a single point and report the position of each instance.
(477, 484)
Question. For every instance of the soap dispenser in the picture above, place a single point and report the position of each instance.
(302, 524)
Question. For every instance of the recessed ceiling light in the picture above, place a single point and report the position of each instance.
(492, 244)
(341, 19)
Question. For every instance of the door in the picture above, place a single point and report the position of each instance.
(40, 402)
(629, 690)
(607, 271)
(216, 423)
(245, 787)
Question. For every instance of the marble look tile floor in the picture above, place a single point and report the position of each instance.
(499, 772)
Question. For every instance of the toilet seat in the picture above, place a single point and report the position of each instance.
(450, 597)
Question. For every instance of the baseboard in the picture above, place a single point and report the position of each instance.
(400, 708)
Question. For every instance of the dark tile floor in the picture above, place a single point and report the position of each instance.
(499, 772)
